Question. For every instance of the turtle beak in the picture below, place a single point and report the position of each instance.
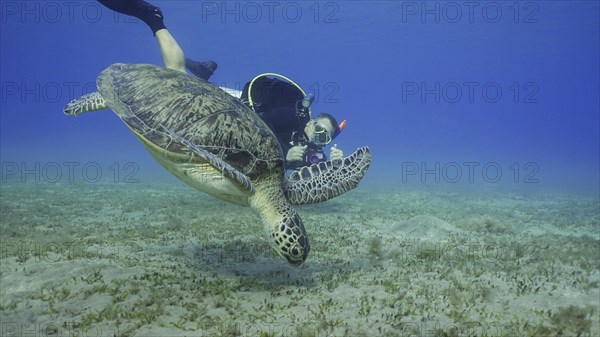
(295, 263)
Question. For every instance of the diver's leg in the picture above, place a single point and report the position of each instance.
(172, 53)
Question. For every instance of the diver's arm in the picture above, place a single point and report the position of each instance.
(295, 153)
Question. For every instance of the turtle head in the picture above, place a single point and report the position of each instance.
(281, 221)
(290, 239)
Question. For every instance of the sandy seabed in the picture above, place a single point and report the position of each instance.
(166, 260)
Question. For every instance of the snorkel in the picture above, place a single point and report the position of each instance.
(340, 128)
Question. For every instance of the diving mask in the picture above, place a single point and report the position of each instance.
(321, 135)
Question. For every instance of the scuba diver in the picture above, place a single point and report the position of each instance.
(285, 108)
(280, 102)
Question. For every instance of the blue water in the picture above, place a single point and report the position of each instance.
(401, 73)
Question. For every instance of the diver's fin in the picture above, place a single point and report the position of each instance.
(140, 9)
(204, 70)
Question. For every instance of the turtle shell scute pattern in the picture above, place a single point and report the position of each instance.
(152, 99)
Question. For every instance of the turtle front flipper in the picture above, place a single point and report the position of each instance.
(89, 102)
(227, 170)
(327, 180)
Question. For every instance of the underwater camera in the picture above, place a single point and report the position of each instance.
(313, 155)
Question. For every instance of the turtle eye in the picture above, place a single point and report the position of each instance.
(295, 256)
(295, 252)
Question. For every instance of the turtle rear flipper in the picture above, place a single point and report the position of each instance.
(327, 180)
(89, 102)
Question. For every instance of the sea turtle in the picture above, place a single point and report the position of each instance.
(215, 143)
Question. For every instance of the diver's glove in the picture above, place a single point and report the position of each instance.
(336, 153)
(204, 70)
(140, 9)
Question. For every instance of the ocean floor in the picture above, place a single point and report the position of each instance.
(167, 260)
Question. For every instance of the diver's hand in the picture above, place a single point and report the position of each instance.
(336, 153)
(295, 153)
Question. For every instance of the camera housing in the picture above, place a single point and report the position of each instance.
(313, 154)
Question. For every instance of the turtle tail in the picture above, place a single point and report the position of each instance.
(89, 102)
(327, 180)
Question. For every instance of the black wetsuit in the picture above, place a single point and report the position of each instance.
(275, 102)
